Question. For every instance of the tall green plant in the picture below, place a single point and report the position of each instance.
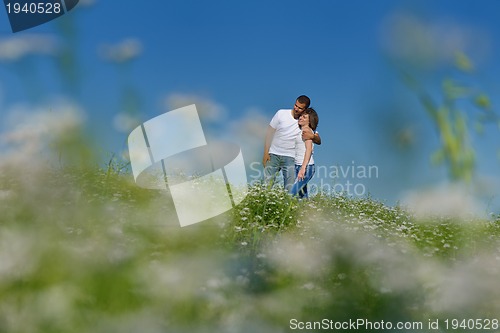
(449, 116)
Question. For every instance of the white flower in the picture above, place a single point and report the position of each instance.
(19, 46)
(452, 201)
(123, 51)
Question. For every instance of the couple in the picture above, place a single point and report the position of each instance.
(289, 146)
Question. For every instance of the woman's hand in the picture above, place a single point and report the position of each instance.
(301, 174)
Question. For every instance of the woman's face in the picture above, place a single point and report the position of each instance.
(304, 120)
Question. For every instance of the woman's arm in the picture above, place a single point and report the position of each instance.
(307, 157)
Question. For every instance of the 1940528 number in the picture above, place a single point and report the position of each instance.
(34, 8)
(472, 324)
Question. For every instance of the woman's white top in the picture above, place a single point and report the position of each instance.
(300, 150)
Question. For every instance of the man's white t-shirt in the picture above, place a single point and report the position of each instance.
(287, 129)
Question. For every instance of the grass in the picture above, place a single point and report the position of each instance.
(85, 249)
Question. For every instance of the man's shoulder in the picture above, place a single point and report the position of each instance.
(281, 117)
(283, 111)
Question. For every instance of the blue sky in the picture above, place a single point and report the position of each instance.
(244, 60)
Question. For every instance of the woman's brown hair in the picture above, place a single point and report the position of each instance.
(313, 118)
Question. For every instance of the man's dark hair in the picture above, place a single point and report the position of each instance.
(303, 99)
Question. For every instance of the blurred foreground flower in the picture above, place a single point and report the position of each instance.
(16, 47)
(447, 201)
(123, 51)
(209, 110)
(428, 43)
(125, 123)
(32, 133)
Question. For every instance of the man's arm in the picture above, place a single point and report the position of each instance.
(307, 135)
(269, 138)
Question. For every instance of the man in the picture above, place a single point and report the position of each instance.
(279, 147)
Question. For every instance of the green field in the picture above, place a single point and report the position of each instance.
(86, 250)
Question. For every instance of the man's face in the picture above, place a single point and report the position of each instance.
(298, 108)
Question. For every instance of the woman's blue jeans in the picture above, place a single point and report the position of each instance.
(299, 188)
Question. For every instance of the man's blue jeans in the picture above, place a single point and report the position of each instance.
(300, 186)
(277, 163)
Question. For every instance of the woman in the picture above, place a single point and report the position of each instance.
(304, 161)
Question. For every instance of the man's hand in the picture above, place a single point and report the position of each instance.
(266, 158)
(269, 138)
(307, 135)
